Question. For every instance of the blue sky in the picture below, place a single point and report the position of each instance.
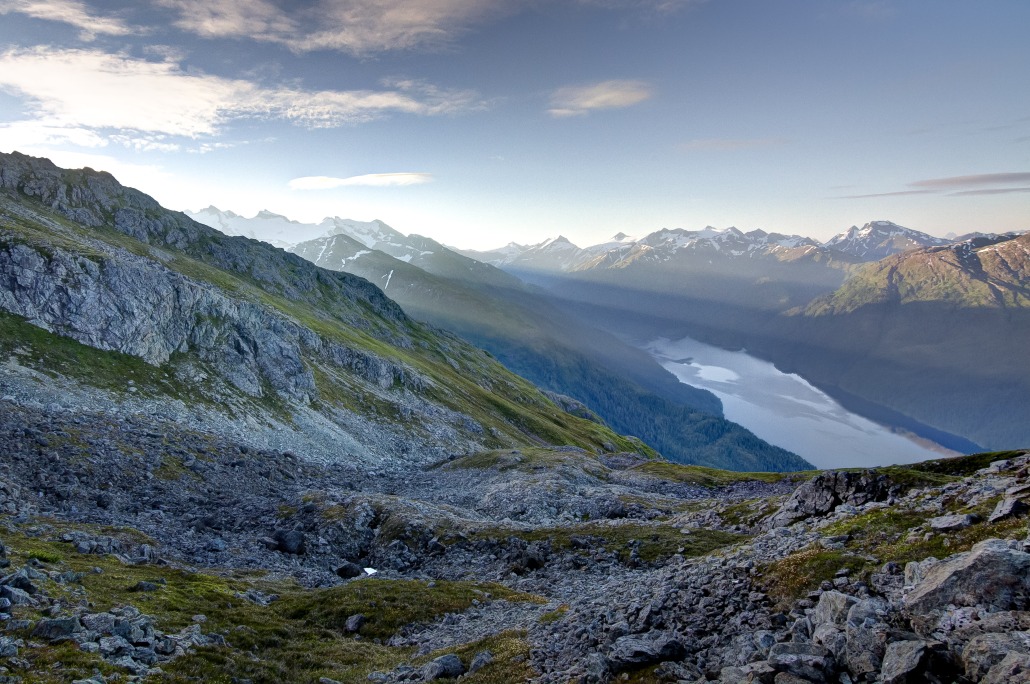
(480, 122)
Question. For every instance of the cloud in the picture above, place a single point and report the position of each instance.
(69, 12)
(730, 144)
(580, 100)
(19, 134)
(355, 26)
(659, 6)
(989, 191)
(94, 90)
(378, 180)
(966, 181)
(959, 186)
(887, 194)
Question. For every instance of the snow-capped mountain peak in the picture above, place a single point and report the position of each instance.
(879, 239)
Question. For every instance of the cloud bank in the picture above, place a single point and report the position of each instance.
(95, 91)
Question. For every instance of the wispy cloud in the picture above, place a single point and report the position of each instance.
(355, 26)
(659, 6)
(967, 181)
(69, 12)
(989, 191)
(94, 90)
(887, 194)
(580, 100)
(378, 180)
(959, 186)
(730, 144)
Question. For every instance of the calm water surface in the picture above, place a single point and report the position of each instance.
(785, 410)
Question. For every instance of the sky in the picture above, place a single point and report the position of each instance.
(482, 122)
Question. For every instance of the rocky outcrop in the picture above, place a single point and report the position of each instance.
(826, 491)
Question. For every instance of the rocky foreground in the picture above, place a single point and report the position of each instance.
(138, 549)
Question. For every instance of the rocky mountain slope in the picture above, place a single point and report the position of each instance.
(245, 332)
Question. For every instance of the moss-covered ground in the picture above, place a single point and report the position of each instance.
(298, 638)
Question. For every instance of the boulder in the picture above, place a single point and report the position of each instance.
(630, 652)
(1008, 507)
(57, 629)
(350, 570)
(17, 597)
(952, 523)
(987, 650)
(289, 541)
(445, 667)
(866, 634)
(1014, 668)
(826, 491)
(354, 623)
(994, 574)
(480, 660)
(809, 661)
(904, 662)
(832, 609)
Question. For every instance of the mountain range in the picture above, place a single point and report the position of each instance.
(918, 331)
(825, 310)
(526, 332)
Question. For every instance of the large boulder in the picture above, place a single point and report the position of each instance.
(808, 661)
(908, 661)
(630, 652)
(866, 633)
(445, 667)
(826, 491)
(1014, 668)
(994, 575)
(832, 608)
(983, 652)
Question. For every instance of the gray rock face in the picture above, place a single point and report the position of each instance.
(994, 574)
(826, 491)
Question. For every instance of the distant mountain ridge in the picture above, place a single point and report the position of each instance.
(880, 316)
(874, 240)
